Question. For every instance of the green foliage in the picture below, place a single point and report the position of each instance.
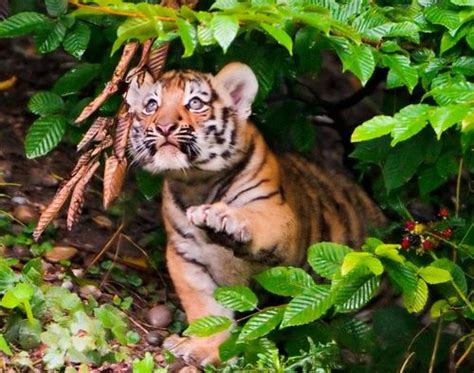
(353, 279)
(71, 330)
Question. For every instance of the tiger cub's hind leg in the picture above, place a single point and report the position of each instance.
(195, 288)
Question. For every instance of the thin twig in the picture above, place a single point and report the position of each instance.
(407, 360)
(106, 247)
(436, 345)
(464, 355)
(458, 188)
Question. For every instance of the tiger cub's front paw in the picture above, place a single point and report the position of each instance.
(220, 218)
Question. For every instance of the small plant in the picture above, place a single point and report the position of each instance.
(352, 280)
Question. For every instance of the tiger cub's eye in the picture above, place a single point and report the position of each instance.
(151, 106)
(195, 104)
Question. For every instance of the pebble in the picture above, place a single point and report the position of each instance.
(25, 213)
(154, 338)
(67, 285)
(103, 221)
(160, 316)
(87, 291)
(59, 253)
(19, 200)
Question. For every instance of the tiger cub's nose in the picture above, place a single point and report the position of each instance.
(166, 129)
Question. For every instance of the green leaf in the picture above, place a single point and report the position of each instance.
(113, 319)
(30, 334)
(434, 275)
(326, 258)
(453, 93)
(56, 7)
(409, 121)
(22, 24)
(7, 278)
(401, 66)
(33, 271)
(415, 301)
(15, 296)
(224, 4)
(43, 135)
(236, 298)
(308, 306)
(462, 2)
(261, 324)
(187, 33)
(77, 40)
(389, 252)
(207, 326)
(459, 278)
(286, 281)
(150, 185)
(363, 62)
(402, 275)
(444, 117)
(440, 16)
(280, 36)
(439, 308)
(136, 28)
(45, 103)
(224, 29)
(48, 40)
(354, 290)
(77, 78)
(378, 126)
(4, 347)
(402, 163)
(358, 259)
(144, 365)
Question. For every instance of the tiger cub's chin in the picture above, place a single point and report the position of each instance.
(232, 207)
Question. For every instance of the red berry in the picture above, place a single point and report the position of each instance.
(410, 225)
(427, 245)
(443, 212)
(447, 233)
(405, 243)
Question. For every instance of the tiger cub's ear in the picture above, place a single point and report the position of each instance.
(239, 81)
(138, 88)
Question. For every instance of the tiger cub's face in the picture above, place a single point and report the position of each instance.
(191, 120)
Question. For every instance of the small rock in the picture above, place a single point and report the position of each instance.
(160, 316)
(25, 213)
(78, 272)
(59, 253)
(154, 338)
(87, 291)
(19, 200)
(103, 221)
(67, 285)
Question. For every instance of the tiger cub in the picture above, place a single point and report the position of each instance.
(231, 206)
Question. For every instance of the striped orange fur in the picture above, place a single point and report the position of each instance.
(231, 206)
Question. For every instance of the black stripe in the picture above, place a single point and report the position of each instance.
(182, 233)
(247, 189)
(263, 197)
(195, 262)
(226, 183)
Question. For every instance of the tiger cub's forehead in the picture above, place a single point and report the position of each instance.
(188, 82)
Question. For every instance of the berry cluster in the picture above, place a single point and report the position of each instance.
(422, 237)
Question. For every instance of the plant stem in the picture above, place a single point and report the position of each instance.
(29, 312)
(462, 296)
(458, 188)
(464, 355)
(435, 348)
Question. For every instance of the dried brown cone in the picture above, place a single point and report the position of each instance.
(112, 86)
(122, 130)
(114, 175)
(96, 132)
(58, 201)
(77, 198)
